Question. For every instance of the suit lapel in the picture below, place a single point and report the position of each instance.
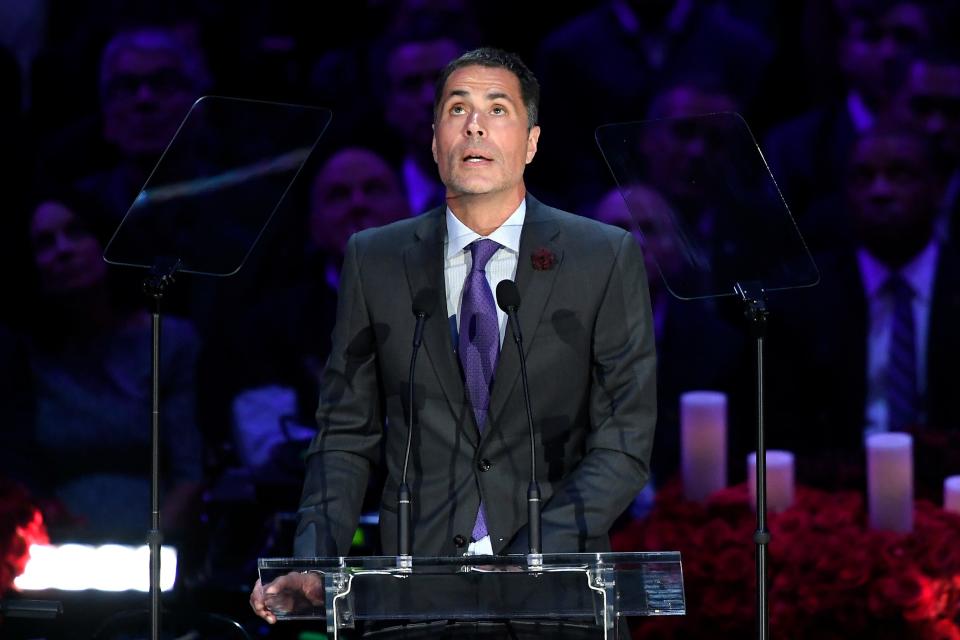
(540, 231)
(423, 260)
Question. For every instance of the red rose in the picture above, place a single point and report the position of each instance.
(543, 259)
(908, 594)
(942, 630)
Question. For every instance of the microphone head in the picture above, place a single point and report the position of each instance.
(508, 295)
(424, 302)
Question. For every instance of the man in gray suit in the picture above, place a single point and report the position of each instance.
(588, 338)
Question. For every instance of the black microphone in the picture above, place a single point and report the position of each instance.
(423, 304)
(508, 299)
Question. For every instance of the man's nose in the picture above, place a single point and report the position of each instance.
(474, 126)
(145, 92)
(880, 187)
(62, 244)
(935, 123)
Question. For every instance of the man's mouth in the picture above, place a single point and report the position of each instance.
(476, 158)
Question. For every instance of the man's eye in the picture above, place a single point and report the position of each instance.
(457, 109)
(498, 111)
(338, 193)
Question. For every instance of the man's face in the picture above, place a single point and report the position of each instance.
(875, 49)
(650, 220)
(353, 191)
(413, 69)
(147, 95)
(481, 143)
(65, 252)
(893, 193)
(685, 147)
(931, 99)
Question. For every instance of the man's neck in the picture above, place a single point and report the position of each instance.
(485, 213)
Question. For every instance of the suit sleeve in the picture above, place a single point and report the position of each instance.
(349, 417)
(622, 414)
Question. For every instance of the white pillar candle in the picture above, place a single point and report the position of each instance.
(703, 443)
(890, 481)
(951, 494)
(780, 480)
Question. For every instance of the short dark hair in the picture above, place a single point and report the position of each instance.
(498, 59)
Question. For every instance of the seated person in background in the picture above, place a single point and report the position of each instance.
(874, 346)
(412, 68)
(148, 80)
(930, 100)
(696, 348)
(275, 352)
(285, 339)
(808, 153)
(89, 354)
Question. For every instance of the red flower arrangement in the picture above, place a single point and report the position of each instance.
(20, 526)
(543, 259)
(829, 575)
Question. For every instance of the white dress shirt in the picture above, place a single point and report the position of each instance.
(502, 265)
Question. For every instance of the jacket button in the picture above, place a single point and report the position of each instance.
(484, 465)
(459, 540)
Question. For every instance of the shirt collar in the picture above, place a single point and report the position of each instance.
(918, 273)
(459, 235)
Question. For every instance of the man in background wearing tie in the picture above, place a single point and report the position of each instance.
(588, 338)
(874, 347)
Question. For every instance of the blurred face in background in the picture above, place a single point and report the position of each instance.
(650, 220)
(893, 192)
(413, 69)
(67, 255)
(686, 148)
(930, 98)
(146, 92)
(875, 49)
(355, 190)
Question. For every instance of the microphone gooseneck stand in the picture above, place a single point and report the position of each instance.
(757, 314)
(508, 298)
(160, 277)
(404, 557)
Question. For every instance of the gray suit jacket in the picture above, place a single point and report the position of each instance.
(588, 339)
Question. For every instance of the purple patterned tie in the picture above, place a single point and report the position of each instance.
(902, 397)
(479, 343)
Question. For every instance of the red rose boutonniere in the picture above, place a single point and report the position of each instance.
(543, 259)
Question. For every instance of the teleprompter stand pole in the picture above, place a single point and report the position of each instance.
(755, 310)
(159, 278)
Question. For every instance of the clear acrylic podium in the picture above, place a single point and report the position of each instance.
(596, 588)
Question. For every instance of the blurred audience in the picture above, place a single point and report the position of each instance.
(873, 347)
(271, 393)
(89, 354)
(148, 79)
(616, 56)
(285, 338)
(413, 67)
(930, 99)
(696, 348)
(98, 88)
(808, 153)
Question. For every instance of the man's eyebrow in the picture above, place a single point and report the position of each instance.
(458, 93)
(492, 95)
(499, 95)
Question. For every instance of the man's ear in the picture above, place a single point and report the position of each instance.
(532, 138)
(433, 143)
